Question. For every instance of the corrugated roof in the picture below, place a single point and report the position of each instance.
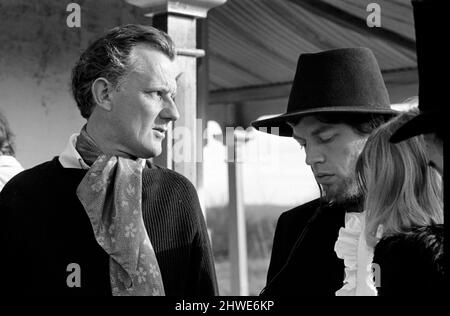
(258, 42)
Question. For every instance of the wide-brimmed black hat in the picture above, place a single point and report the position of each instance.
(427, 16)
(338, 80)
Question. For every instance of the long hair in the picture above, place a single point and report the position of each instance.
(401, 190)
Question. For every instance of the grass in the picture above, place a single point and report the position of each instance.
(257, 272)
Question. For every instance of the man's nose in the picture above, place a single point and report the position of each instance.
(313, 156)
(170, 110)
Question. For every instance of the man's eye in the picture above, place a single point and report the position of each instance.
(156, 94)
(327, 139)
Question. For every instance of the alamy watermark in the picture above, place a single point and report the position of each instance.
(74, 18)
(187, 145)
(74, 277)
(374, 18)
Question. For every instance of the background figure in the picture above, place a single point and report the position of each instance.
(403, 195)
(9, 166)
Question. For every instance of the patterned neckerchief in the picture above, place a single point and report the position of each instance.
(111, 194)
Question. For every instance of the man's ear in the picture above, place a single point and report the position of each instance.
(101, 92)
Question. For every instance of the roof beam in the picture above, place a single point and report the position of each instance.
(260, 92)
(355, 23)
(402, 76)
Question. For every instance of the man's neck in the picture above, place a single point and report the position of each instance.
(98, 133)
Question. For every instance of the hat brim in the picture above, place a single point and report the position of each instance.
(423, 123)
(285, 130)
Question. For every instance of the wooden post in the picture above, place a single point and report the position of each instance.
(202, 104)
(237, 238)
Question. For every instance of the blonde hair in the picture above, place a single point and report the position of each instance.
(401, 191)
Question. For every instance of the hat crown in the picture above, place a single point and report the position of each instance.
(338, 78)
(346, 80)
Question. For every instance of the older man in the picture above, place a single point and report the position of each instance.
(100, 219)
(338, 98)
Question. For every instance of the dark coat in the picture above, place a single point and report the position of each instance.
(314, 268)
(412, 264)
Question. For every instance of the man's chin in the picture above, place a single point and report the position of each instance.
(330, 193)
(152, 149)
(153, 154)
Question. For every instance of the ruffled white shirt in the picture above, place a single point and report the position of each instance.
(351, 246)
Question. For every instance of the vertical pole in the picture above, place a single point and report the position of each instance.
(202, 104)
(237, 239)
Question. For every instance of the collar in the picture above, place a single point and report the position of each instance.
(70, 158)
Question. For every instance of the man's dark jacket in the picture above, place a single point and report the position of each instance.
(313, 267)
(45, 229)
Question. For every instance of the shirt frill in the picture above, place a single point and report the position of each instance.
(351, 246)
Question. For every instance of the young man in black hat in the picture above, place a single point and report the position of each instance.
(337, 99)
(430, 122)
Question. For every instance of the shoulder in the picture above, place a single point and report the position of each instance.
(30, 177)
(38, 182)
(300, 213)
(411, 263)
(419, 246)
(169, 178)
(293, 220)
(19, 198)
(419, 238)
